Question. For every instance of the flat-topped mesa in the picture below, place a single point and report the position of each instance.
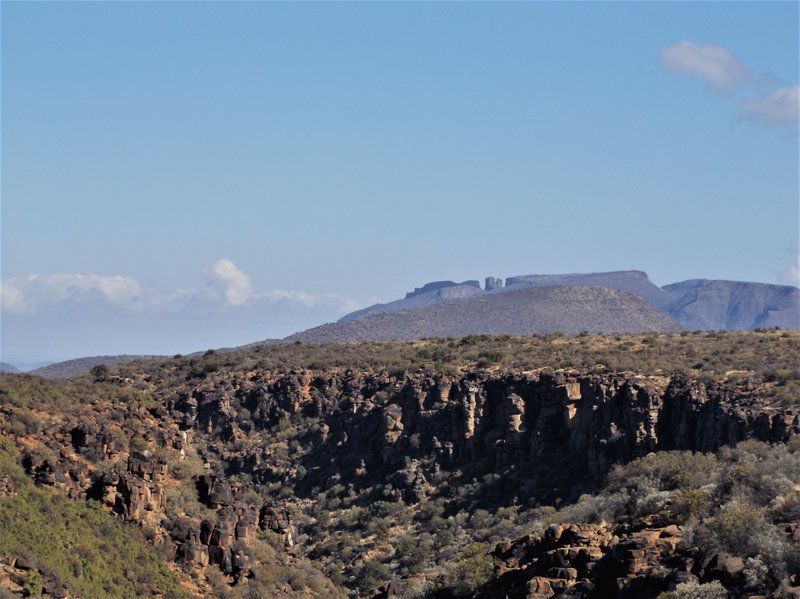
(439, 285)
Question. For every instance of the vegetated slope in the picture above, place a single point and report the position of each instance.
(70, 368)
(50, 542)
(764, 353)
(429, 294)
(703, 304)
(5, 367)
(515, 312)
(633, 281)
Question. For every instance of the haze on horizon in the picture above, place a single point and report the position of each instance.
(178, 176)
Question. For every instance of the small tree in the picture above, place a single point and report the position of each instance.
(99, 372)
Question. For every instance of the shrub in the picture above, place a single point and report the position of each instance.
(471, 570)
(693, 590)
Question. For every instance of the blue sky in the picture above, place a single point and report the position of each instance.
(161, 159)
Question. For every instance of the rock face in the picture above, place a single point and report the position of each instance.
(702, 304)
(372, 426)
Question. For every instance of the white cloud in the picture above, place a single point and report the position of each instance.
(230, 289)
(27, 294)
(717, 65)
(235, 284)
(781, 107)
(11, 298)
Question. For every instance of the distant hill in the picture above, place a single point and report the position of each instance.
(633, 281)
(4, 367)
(427, 295)
(733, 305)
(521, 311)
(70, 368)
(696, 304)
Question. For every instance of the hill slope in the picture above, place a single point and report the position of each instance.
(70, 368)
(515, 311)
(734, 305)
(633, 281)
(5, 367)
(432, 293)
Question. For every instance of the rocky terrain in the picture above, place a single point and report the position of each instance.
(426, 482)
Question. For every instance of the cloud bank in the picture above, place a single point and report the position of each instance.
(228, 288)
(64, 315)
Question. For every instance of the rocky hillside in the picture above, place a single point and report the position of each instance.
(253, 477)
(61, 547)
(515, 312)
(702, 304)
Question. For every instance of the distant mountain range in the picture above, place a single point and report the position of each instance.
(8, 367)
(733, 305)
(699, 304)
(516, 311)
(620, 301)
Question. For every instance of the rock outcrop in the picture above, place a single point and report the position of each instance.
(621, 562)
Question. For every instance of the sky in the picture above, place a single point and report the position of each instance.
(178, 176)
